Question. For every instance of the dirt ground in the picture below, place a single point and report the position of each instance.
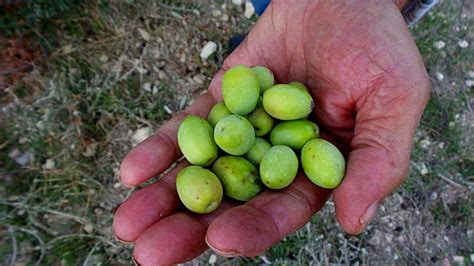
(107, 76)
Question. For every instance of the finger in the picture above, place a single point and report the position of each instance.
(380, 154)
(175, 239)
(252, 228)
(158, 152)
(147, 206)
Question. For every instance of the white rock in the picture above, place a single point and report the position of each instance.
(237, 2)
(463, 43)
(458, 260)
(472, 258)
(439, 45)
(422, 168)
(212, 259)
(167, 109)
(249, 10)
(425, 143)
(24, 158)
(145, 35)
(225, 17)
(439, 76)
(89, 228)
(208, 49)
(140, 135)
(470, 74)
(103, 58)
(216, 13)
(147, 87)
(50, 164)
(469, 82)
(154, 90)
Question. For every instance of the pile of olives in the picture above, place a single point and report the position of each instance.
(253, 138)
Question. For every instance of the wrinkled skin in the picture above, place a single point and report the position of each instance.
(370, 88)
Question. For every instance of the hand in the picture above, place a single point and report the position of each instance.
(370, 88)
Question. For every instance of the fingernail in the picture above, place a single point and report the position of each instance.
(231, 253)
(367, 217)
(120, 240)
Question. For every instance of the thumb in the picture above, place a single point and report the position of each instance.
(380, 151)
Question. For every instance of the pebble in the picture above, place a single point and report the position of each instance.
(147, 87)
(470, 83)
(50, 164)
(89, 228)
(463, 43)
(439, 76)
(212, 259)
(439, 45)
(21, 158)
(208, 49)
(425, 143)
(472, 258)
(237, 2)
(216, 13)
(470, 74)
(459, 260)
(167, 109)
(140, 135)
(422, 169)
(145, 35)
(249, 10)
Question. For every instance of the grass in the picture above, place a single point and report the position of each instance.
(80, 107)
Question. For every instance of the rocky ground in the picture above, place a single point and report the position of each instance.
(109, 74)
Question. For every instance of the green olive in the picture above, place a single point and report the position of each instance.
(287, 102)
(294, 134)
(238, 177)
(196, 141)
(261, 121)
(199, 189)
(323, 163)
(278, 167)
(240, 89)
(217, 112)
(258, 150)
(299, 85)
(234, 134)
(264, 76)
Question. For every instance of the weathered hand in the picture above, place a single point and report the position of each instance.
(370, 87)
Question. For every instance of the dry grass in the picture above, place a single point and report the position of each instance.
(81, 108)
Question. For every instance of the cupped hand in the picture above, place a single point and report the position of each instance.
(370, 87)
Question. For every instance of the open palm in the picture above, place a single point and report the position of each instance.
(370, 88)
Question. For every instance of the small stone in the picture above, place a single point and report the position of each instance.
(154, 90)
(439, 76)
(249, 10)
(117, 185)
(237, 2)
(439, 45)
(459, 260)
(145, 35)
(216, 13)
(425, 143)
(140, 135)
(212, 259)
(422, 169)
(167, 109)
(91, 149)
(441, 145)
(463, 43)
(24, 158)
(225, 17)
(89, 228)
(50, 164)
(208, 49)
(472, 258)
(147, 87)
(470, 74)
(470, 83)
(103, 58)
